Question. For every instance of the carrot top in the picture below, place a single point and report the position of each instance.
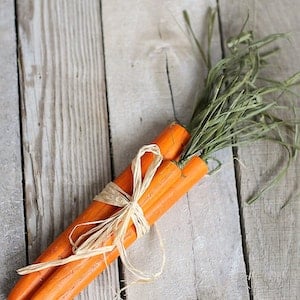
(237, 105)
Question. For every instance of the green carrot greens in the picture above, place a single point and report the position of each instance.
(237, 106)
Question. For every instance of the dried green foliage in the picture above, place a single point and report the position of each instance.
(237, 106)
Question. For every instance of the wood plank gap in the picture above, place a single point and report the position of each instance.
(106, 94)
(13, 253)
(220, 27)
(20, 79)
(122, 280)
(237, 174)
(121, 272)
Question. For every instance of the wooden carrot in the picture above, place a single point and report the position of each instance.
(171, 142)
(169, 184)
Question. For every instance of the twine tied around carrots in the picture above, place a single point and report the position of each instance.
(92, 242)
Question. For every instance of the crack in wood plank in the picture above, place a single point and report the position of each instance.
(237, 172)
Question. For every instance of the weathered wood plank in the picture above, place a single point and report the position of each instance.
(271, 224)
(12, 253)
(147, 58)
(65, 128)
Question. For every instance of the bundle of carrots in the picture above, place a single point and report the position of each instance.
(236, 106)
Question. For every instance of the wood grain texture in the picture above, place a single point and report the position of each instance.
(272, 223)
(64, 113)
(12, 253)
(151, 78)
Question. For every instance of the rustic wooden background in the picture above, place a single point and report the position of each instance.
(83, 84)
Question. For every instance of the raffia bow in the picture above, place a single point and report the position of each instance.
(116, 226)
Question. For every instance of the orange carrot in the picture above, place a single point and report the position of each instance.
(171, 142)
(68, 280)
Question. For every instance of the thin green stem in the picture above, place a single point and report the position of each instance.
(234, 108)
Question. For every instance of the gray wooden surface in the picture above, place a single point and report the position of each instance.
(98, 79)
